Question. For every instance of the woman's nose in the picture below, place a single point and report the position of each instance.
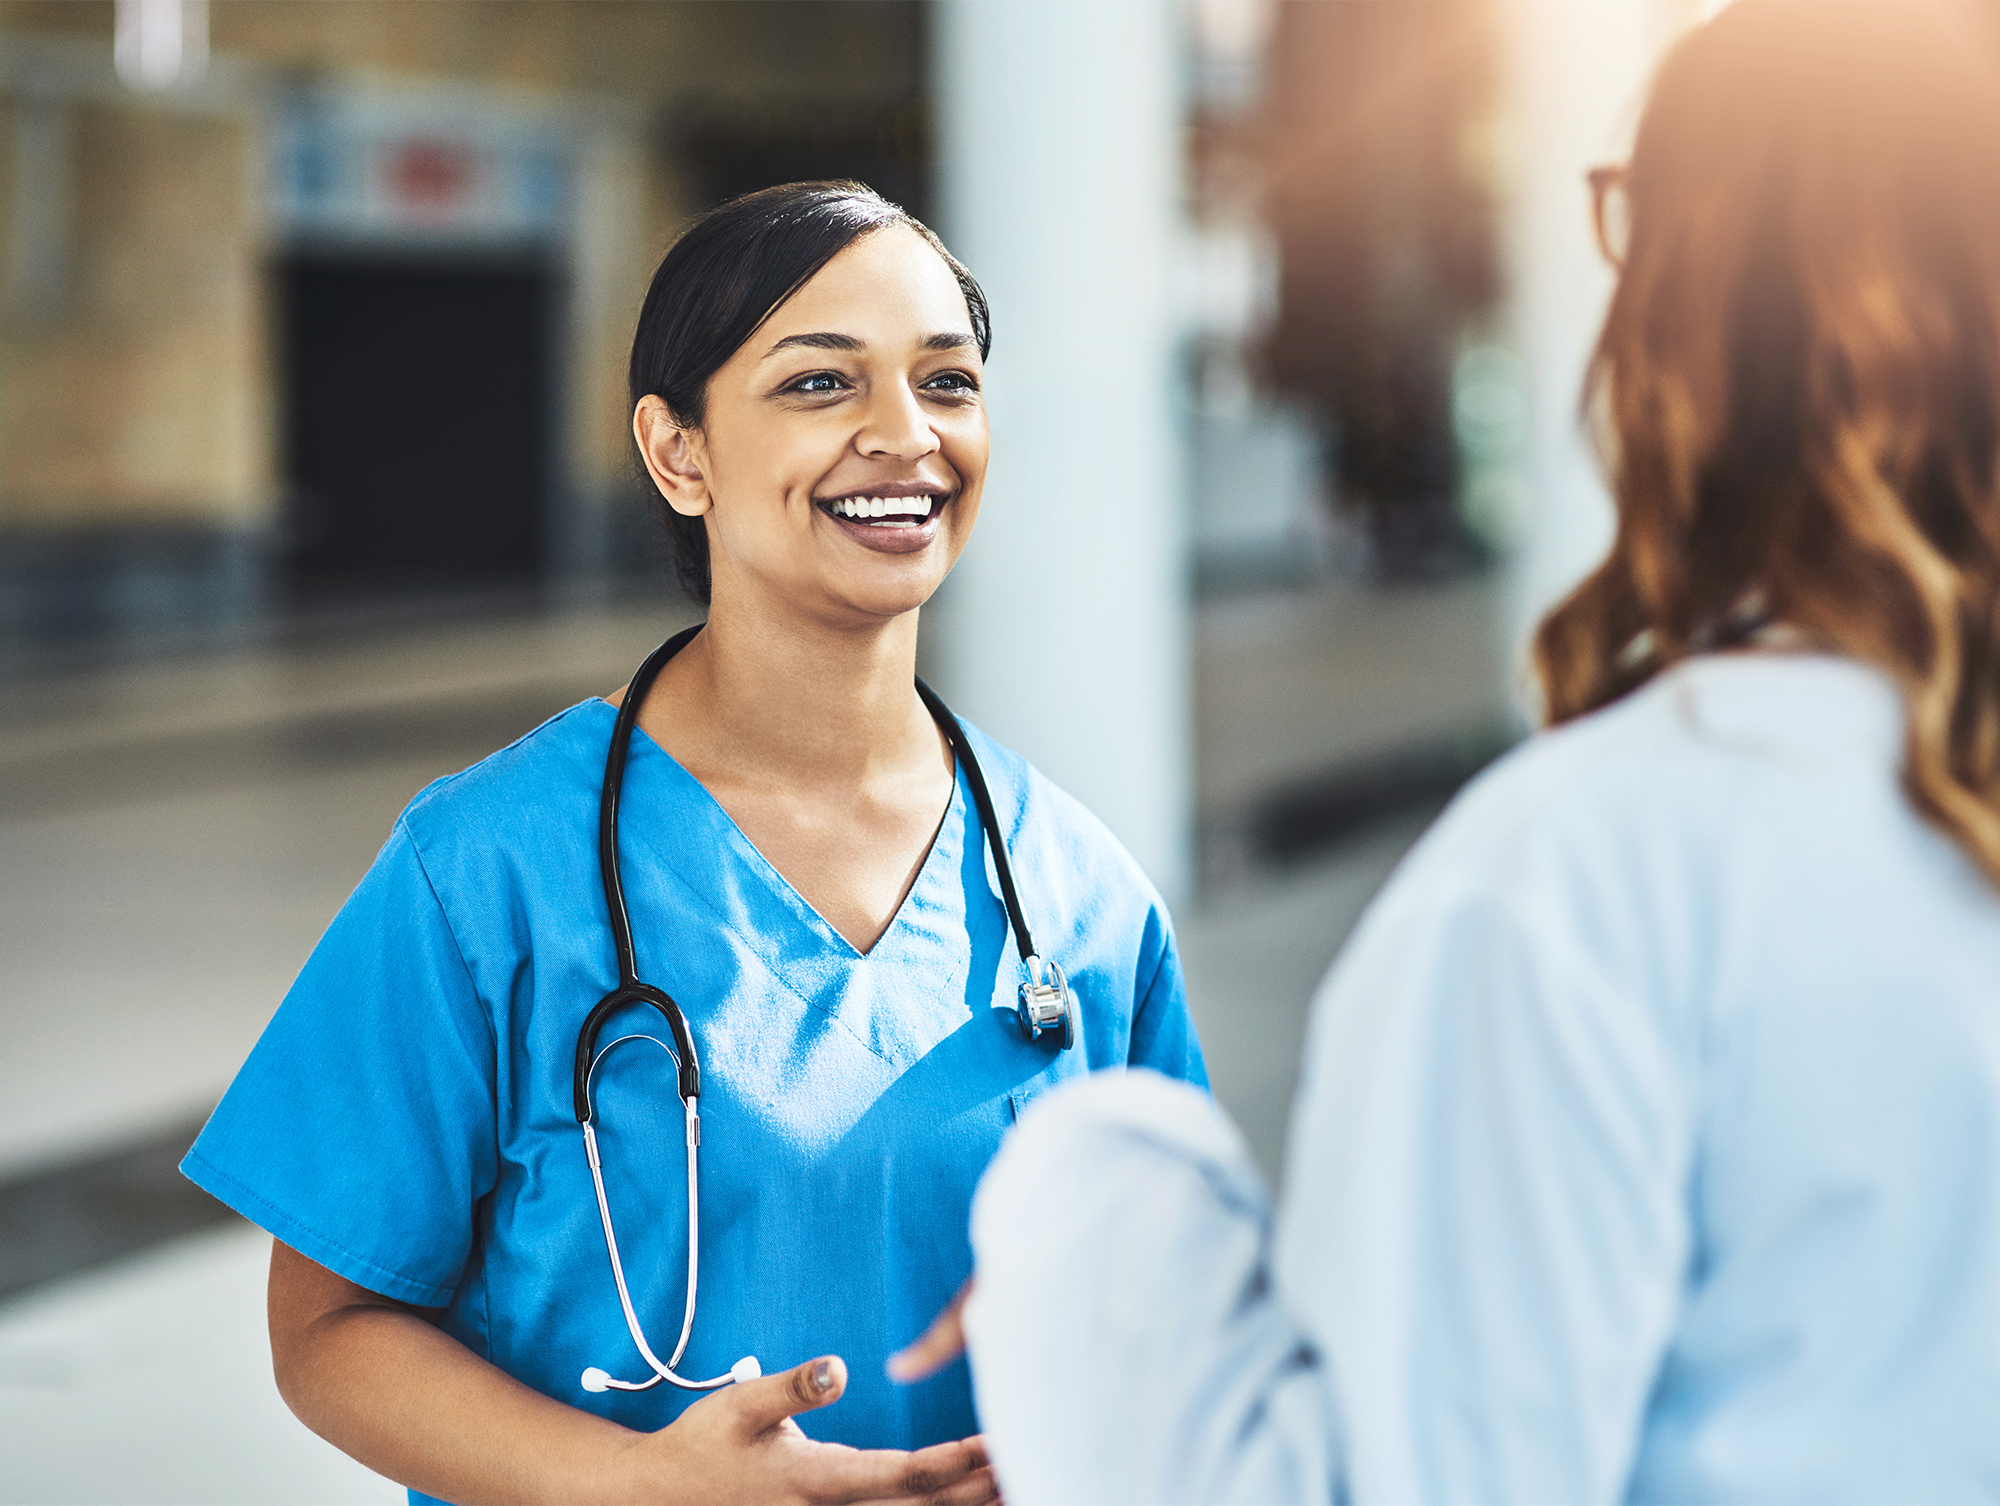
(897, 426)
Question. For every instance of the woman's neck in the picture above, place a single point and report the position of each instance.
(793, 700)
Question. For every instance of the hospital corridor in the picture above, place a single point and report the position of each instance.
(365, 370)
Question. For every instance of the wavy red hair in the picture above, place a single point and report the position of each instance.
(1797, 387)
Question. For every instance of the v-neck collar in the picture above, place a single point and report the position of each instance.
(932, 915)
(693, 790)
(899, 998)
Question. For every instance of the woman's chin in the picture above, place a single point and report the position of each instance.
(885, 584)
(881, 593)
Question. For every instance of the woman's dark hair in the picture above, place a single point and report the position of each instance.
(729, 272)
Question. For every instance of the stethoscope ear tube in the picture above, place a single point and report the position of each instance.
(614, 784)
(593, 1025)
(1044, 1002)
(989, 820)
(629, 990)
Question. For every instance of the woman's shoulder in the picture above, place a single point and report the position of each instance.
(1722, 757)
(547, 774)
(1711, 727)
(1721, 811)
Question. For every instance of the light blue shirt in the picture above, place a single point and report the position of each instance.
(406, 1119)
(1648, 1149)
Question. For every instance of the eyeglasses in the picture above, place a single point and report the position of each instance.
(1610, 212)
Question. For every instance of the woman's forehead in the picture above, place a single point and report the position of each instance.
(890, 284)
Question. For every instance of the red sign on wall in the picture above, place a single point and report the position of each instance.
(428, 176)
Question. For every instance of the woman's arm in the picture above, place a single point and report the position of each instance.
(378, 1380)
(1126, 1344)
(1466, 1296)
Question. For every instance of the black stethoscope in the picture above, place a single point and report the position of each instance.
(1044, 1004)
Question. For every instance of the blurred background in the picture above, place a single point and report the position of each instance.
(315, 484)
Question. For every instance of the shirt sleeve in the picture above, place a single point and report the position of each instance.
(1126, 1344)
(361, 1131)
(1472, 1280)
(1163, 1033)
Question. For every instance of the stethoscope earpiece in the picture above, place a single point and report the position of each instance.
(1045, 1004)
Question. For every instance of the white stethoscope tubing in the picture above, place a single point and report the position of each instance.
(603, 1381)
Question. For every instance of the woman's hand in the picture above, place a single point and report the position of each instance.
(740, 1444)
(378, 1379)
(942, 1342)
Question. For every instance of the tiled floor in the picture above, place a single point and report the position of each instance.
(173, 838)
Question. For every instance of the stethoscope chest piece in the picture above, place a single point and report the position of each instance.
(1046, 1003)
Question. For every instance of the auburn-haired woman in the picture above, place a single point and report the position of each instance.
(1649, 1140)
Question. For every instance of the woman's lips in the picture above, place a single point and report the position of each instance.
(889, 525)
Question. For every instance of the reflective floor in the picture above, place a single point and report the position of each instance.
(173, 837)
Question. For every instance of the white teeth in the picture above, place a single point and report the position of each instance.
(884, 507)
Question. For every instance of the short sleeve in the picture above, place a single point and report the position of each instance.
(1163, 1034)
(361, 1131)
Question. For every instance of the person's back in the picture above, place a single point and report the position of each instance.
(1648, 1141)
(1839, 1331)
(1711, 1209)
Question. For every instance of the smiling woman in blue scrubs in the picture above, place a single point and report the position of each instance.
(807, 877)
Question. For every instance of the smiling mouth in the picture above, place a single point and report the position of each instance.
(886, 512)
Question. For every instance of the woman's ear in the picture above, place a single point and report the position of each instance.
(674, 457)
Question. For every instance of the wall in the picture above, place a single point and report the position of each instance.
(139, 391)
(134, 362)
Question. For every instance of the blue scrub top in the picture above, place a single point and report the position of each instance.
(406, 1119)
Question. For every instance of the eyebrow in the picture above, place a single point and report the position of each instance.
(830, 340)
(821, 340)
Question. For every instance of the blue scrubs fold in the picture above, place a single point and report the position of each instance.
(406, 1119)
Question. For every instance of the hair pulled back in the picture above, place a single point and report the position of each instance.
(729, 272)
(1797, 387)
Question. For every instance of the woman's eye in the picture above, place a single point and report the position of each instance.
(818, 384)
(952, 381)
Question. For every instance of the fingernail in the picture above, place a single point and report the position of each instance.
(823, 1376)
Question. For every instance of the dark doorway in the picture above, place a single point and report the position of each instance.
(417, 421)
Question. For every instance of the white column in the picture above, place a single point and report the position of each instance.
(1064, 630)
(1577, 75)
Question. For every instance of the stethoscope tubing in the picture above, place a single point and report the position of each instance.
(631, 990)
(692, 1132)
